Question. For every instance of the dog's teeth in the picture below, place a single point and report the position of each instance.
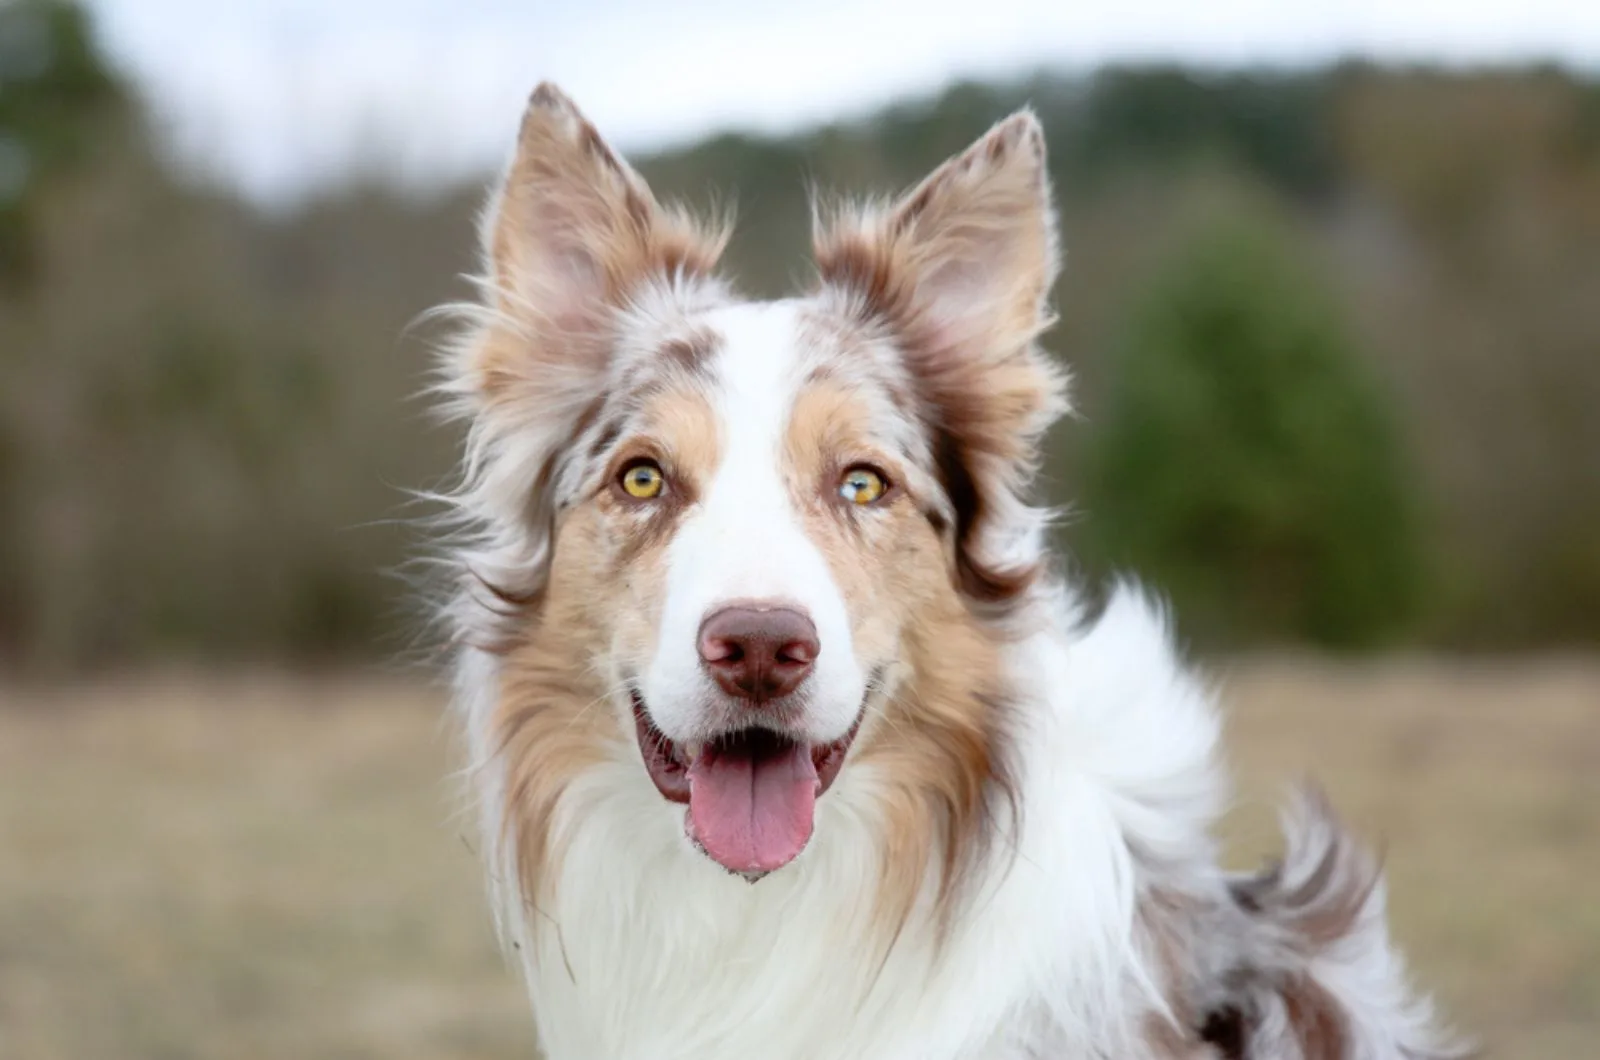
(691, 751)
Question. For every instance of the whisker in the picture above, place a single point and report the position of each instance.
(607, 694)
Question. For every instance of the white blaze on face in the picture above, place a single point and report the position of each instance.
(744, 540)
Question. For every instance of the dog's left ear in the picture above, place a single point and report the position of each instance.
(959, 270)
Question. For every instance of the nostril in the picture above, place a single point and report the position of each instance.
(798, 653)
(721, 651)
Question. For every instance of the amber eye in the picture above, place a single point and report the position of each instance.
(862, 485)
(643, 480)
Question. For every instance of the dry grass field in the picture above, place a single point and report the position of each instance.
(272, 867)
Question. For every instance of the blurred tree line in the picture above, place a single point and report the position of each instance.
(1335, 336)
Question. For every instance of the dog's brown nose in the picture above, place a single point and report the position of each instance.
(758, 653)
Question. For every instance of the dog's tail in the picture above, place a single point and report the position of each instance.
(1298, 965)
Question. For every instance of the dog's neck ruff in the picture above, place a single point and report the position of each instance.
(1100, 927)
(641, 947)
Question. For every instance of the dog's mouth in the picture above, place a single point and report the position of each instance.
(751, 793)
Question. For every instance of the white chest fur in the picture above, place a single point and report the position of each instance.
(648, 950)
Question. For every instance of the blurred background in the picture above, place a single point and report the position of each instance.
(1332, 304)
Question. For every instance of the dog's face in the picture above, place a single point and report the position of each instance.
(761, 532)
(731, 531)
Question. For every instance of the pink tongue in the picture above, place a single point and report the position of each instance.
(752, 812)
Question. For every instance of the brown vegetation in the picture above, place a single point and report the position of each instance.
(273, 867)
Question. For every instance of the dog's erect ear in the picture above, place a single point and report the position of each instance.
(572, 237)
(971, 251)
(960, 270)
(576, 230)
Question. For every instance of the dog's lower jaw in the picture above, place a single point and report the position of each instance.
(750, 876)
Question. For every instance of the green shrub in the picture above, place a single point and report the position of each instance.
(1245, 463)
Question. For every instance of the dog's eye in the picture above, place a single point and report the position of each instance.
(862, 485)
(643, 480)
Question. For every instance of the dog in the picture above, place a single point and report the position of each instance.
(787, 737)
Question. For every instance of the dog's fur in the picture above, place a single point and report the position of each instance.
(1015, 859)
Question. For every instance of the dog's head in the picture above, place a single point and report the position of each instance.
(748, 543)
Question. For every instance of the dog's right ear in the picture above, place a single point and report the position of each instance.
(574, 232)
(572, 237)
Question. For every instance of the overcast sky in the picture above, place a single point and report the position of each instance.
(280, 94)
